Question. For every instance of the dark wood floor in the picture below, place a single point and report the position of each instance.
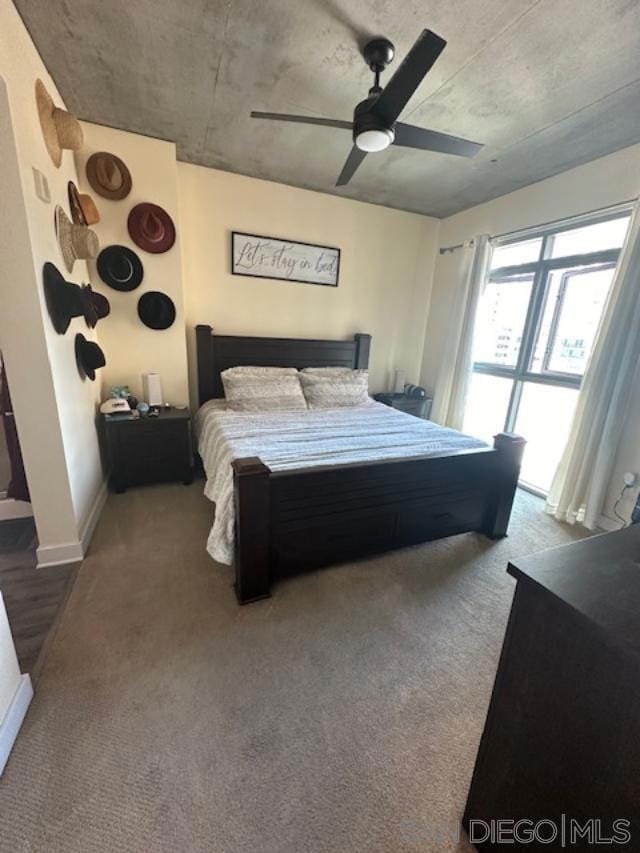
(33, 598)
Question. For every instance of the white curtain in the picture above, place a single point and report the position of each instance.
(580, 484)
(455, 370)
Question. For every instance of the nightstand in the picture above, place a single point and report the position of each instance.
(418, 406)
(149, 450)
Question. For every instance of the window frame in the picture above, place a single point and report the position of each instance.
(540, 269)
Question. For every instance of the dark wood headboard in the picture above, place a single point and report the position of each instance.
(218, 352)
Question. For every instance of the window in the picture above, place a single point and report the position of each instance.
(535, 328)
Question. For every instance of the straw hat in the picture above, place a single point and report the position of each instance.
(83, 207)
(108, 175)
(77, 242)
(89, 356)
(60, 128)
(151, 228)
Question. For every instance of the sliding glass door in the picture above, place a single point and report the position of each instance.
(536, 324)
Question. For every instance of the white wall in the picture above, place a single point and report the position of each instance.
(601, 183)
(54, 407)
(385, 274)
(9, 669)
(131, 348)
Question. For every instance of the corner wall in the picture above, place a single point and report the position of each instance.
(54, 407)
(131, 348)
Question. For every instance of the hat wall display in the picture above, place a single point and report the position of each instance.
(151, 228)
(108, 175)
(95, 306)
(120, 268)
(63, 298)
(60, 128)
(77, 242)
(83, 207)
(89, 356)
(156, 310)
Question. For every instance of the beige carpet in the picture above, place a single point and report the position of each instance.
(342, 715)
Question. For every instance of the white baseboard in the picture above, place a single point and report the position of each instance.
(93, 516)
(13, 718)
(11, 509)
(73, 552)
(609, 524)
(58, 555)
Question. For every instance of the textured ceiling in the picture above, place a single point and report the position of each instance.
(546, 85)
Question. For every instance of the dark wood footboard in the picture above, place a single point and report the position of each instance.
(293, 521)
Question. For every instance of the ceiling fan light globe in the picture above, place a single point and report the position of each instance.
(374, 140)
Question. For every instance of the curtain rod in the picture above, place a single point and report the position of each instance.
(609, 207)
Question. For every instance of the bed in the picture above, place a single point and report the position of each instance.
(321, 488)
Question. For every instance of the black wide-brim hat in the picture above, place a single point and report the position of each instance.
(156, 310)
(63, 298)
(95, 305)
(120, 268)
(89, 356)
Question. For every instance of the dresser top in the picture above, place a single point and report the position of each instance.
(598, 578)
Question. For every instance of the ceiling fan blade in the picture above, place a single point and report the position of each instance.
(354, 159)
(409, 136)
(408, 77)
(325, 122)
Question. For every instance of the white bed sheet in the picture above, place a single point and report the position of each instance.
(305, 440)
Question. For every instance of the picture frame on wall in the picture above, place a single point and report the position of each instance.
(257, 256)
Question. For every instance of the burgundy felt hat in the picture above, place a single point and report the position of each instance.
(151, 228)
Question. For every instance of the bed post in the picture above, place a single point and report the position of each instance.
(251, 495)
(509, 449)
(204, 359)
(363, 342)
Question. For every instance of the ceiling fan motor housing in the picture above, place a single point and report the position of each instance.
(365, 119)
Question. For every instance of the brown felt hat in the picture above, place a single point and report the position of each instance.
(83, 207)
(60, 128)
(77, 242)
(108, 175)
(151, 228)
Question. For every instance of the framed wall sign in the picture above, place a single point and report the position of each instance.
(286, 260)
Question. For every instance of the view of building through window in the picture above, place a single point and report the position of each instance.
(536, 325)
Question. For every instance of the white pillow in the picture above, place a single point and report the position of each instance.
(335, 391)
(252, 392)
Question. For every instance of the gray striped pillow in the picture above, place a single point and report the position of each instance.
(336, 390)
(249, 369)
(252, 392)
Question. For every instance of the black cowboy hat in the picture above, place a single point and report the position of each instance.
(89, 356)
(120, 268)
(95, 305)
(63, 298)
(156, 310)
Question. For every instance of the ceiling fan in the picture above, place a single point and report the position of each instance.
(375, 124)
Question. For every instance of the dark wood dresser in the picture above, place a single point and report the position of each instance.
(418, 406)
(561, 743)
(149, 450)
